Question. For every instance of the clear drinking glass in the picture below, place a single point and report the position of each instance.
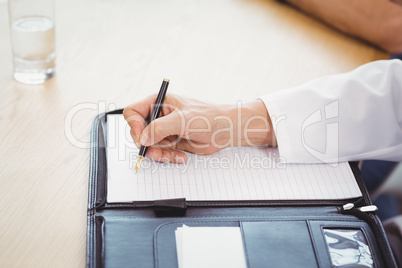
(32, 39)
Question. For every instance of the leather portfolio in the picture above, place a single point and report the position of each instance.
(275, 233)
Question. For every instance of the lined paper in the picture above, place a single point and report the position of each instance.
(237, 173)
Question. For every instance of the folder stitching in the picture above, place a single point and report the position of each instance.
(313, 243)
(92, 182)
(244, 245)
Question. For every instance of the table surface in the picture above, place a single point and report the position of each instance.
(112, 53)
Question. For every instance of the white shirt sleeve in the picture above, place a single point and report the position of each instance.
(345, 117)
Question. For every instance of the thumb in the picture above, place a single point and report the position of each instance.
(160, 128)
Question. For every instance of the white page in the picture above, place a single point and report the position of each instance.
(179, 245)
(200, 247)
(238, 173)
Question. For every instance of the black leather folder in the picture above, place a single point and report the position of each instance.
(275, 233)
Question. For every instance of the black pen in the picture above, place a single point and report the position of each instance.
(155, 114)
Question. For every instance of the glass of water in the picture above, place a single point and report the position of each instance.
(33, 39)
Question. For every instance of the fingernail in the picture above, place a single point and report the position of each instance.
(179, 160)
(144, 138)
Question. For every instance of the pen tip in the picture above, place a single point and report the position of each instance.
(138, 165)
(166, 80)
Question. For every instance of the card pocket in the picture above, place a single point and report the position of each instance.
(278, 244)
(165, 242)
(344, 244)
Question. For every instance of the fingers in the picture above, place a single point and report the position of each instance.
(176, 143)
(136, 116)
(166, 155)
(195, 147)
(168, 150)
(161, 128)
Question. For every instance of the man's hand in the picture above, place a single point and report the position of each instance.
(197, 127)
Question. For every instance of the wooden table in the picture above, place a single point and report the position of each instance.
(112, 53)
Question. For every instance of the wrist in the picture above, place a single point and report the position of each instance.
(252, 125)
